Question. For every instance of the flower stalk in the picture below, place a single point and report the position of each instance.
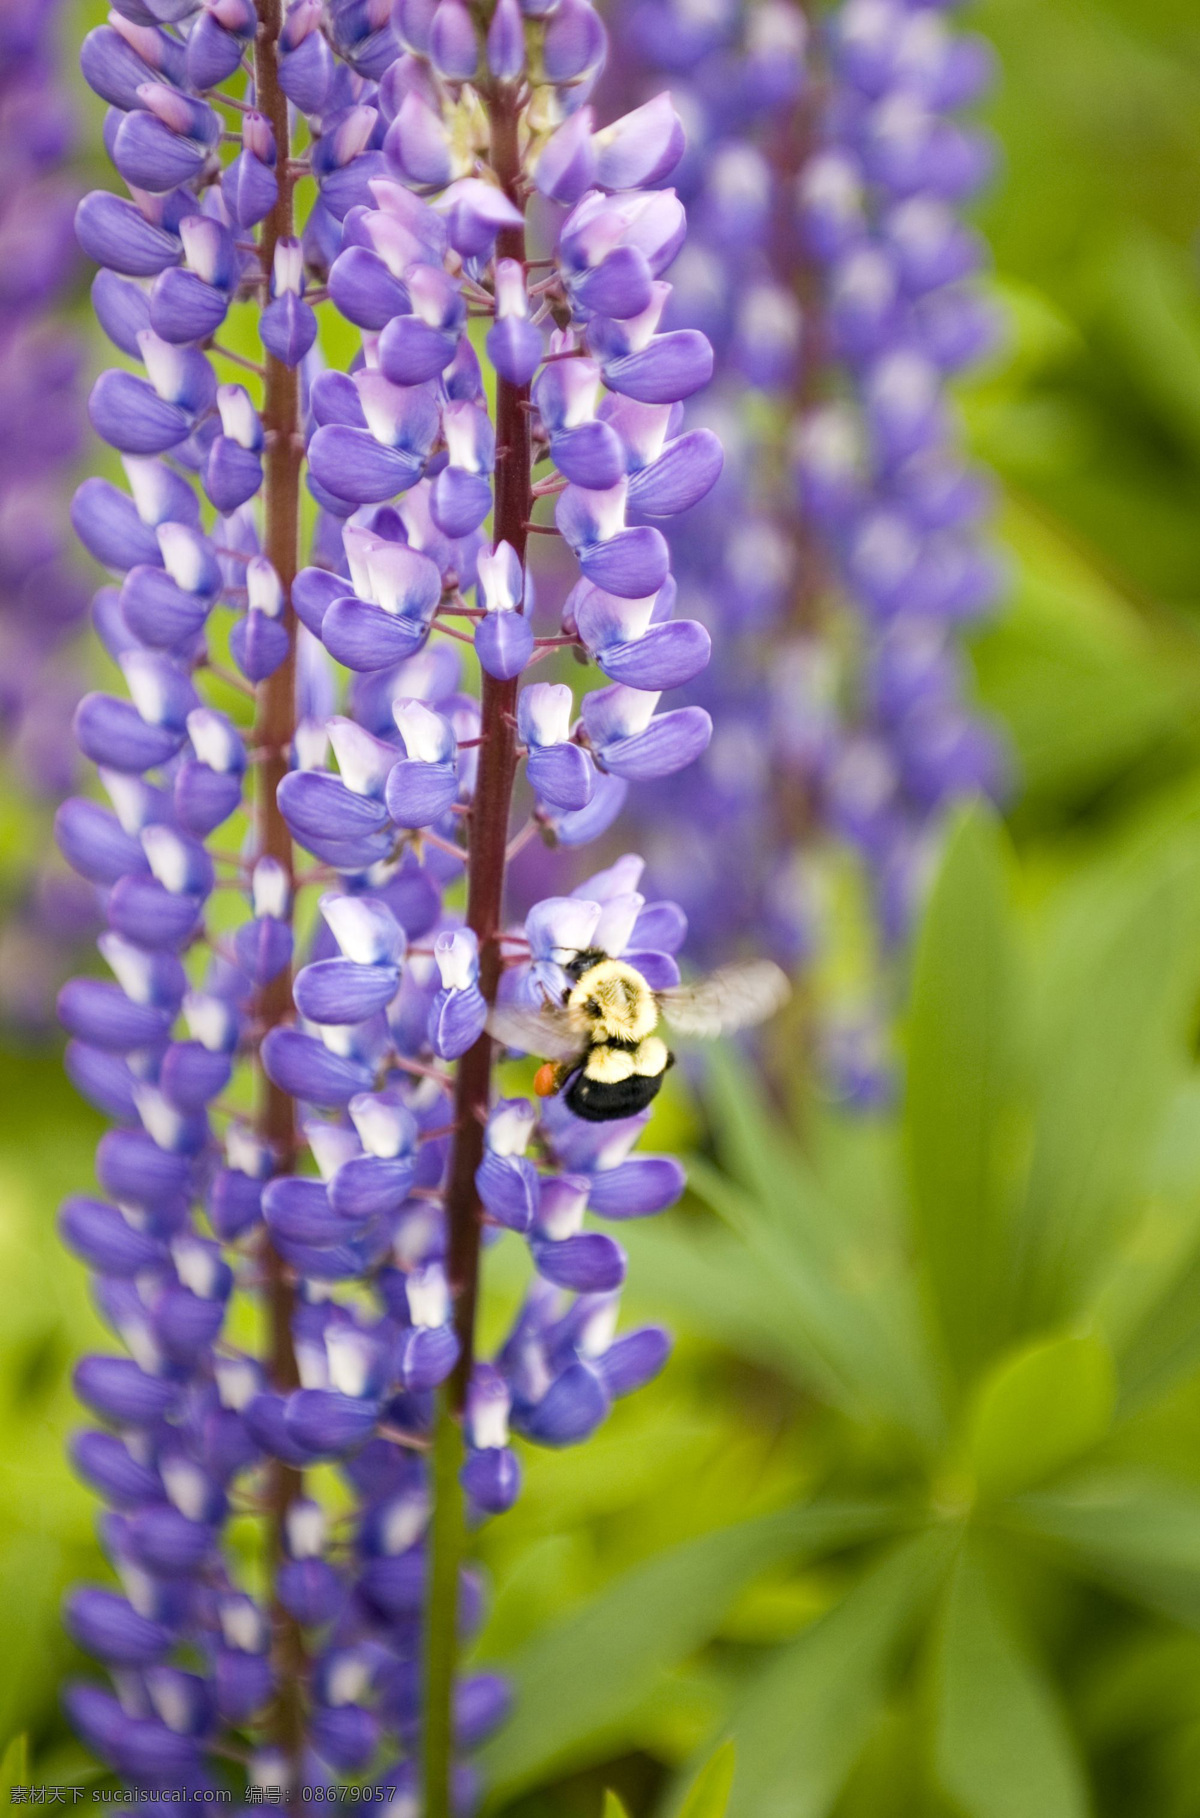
(488, 833)
(447, 1542)
(487, 857)
(274, 734)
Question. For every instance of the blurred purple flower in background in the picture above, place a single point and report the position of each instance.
(842, 554)
(880, 471)
(42, 597)
(328, 1139)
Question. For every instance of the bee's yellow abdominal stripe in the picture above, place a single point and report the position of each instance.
(651, 1057)
(608, 1066)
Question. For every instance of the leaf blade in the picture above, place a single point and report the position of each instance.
(710, 1791)
(1042, 1406)
(806, 1718)
(959, 1084)
(1137, 1534)
(610, 1652)
(14, 1767)
(1114, 1042)
(849, 1303)
(1002, 1748)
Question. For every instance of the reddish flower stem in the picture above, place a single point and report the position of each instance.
(274, 730)
(486, 861)
(488, 838)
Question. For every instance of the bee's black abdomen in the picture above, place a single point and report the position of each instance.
(599, 1102)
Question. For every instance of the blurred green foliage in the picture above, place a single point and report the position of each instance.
(1091, 416)
(979, 1543)
(914, 1515)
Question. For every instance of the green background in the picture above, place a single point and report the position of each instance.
(914, 1513)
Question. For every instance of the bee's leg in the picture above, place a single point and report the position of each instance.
(551, 1078)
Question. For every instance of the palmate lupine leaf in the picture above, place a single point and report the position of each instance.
(792, 1271)
(1040, 1408)
(959, 1113)
(1002, 1747)
(786, 1275)
(1113, 1037)
(1138, 1534)
(806, 1717)
(577, 1681)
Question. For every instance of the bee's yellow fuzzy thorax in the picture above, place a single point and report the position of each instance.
(616, 1002)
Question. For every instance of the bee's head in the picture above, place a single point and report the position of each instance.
(583, 962)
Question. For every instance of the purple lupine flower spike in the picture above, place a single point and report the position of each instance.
(352, 1198)
(42, 595)
(829, 269)
(906, 541)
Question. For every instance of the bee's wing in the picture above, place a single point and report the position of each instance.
(551, 1031)
(733, 997)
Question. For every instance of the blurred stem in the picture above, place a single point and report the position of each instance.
(274, 730)
(441, 1657)
(487, 854)
(791, 1049)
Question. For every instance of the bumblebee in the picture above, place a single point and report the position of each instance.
(602, 1042)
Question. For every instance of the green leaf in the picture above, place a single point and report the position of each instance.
(1150, 1304)
(14, 1768)
(1002, 1747)
(1041, 1408)
(709, 1795)
(1084, 690)
(706, 1278)
(1137, 1534)
(1113, 1042)
(613, 1807)
(1164, 1346)
(767, 1190)
(840, 1301)
(1149, 290)
(577, 1682)
(850, 1326)
(806, 1717)
(959, 1087)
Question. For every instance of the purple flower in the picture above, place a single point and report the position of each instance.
(43, 598)
(827, 257)
(351, 1199)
